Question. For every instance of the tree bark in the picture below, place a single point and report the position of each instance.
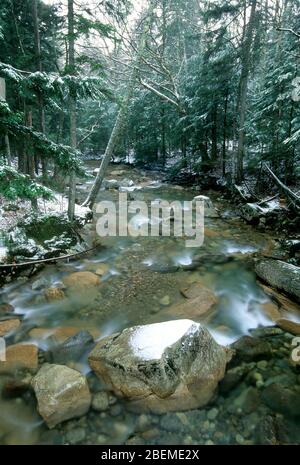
(121, 118)
(245, 62)
(72, 107)
(7, 149)
(40, 69)
(281, 275)
(224, 134)
(214, 135)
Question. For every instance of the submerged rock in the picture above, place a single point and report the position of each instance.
(81, 281)
(8, 326)
(53, 294)
(249, 349)
(100, 401)
(6, 308)
(197, 290)
(170, 366)
(20, 357)
(62, 393)
(72, 349)
(199, 301)
(282, 399)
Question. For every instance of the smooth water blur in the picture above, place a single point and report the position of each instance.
(143, 276)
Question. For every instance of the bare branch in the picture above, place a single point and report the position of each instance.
(286, 29)
(90, 132)
(160, 94)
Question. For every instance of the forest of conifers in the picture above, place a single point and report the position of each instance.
(215, 88)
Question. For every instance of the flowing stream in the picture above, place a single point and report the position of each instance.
(141, 280)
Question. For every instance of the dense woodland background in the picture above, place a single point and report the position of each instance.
(216, 88)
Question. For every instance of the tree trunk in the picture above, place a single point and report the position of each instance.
(39, 67)
(224, 134)
(214, 135)
(245, 63)
(121, 118)
(7, 149)
(72, 105)
(29, 155)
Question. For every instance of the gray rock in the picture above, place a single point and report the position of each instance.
(111, 184)
(76, 435)
(248, 349)
(62, 393)
(209, 210)
(175, 365)
(100, 401)
(233, 377)
(266, 433)
(282, 399)
(212, 414)
(72, 349)
(248, 401)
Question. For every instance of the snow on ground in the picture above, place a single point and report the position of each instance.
(56, 206)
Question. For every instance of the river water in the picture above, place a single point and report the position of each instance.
(142, 279)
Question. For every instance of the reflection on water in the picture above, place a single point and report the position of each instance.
(19, 423)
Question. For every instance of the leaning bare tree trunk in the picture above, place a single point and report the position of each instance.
(246, 50)
(294, 198)
(72, 103)
(121, 118)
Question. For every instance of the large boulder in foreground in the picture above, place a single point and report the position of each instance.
(62, 393)
(170, 366)
(282, 275)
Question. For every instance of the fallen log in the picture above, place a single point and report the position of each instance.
(281, 275)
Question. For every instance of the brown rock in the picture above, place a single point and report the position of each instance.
(61, 334)
(210, 233)
(20, 356)
(199, 301)
(81, 281)
(52, 294)
(289, 326)
(6, 308)
(197, 290)
(192, 309)
(271, 311)
(284, 302)
(8, 326)
(102, 269)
